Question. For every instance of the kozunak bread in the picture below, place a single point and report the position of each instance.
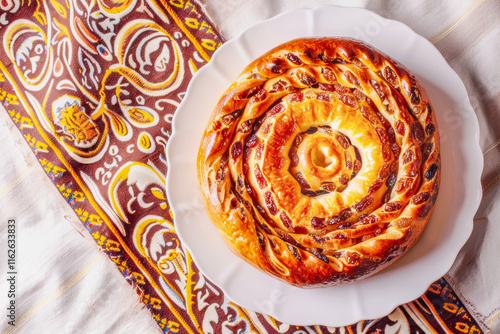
(320, 164)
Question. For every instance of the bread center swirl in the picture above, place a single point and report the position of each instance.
(322, 157)
(322, 161)
(308, 159)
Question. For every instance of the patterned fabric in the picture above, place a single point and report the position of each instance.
(93, 87)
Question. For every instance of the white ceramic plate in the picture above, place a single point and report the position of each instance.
(409, 277)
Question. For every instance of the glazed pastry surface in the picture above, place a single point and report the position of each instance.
(320, 164)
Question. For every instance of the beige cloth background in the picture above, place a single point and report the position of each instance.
(66, 286)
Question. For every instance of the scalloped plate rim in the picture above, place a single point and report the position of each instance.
(473, 197)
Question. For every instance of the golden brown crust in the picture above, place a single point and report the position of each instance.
(320, 165)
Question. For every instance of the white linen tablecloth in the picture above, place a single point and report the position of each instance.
(65, 285)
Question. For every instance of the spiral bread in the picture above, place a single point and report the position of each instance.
(320, 164)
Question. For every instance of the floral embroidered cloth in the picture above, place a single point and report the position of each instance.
(92, 88)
